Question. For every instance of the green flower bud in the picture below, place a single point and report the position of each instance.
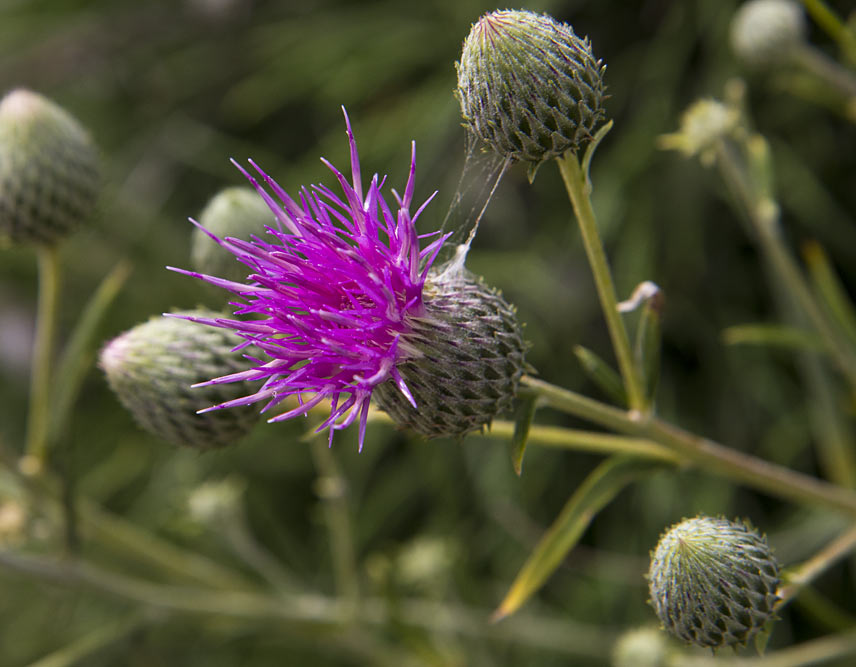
(528, 86)
(704, 125)
(234, 212)
(49, 170)
(467, 359)
(767, 32)
(153, 366)
(641, 647)
(713, 582)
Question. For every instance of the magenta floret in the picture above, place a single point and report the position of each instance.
(330, 292)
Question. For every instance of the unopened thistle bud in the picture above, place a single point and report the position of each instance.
(641, 647)
(153, 366)
(49, 178)
(713, 582)
(528, 86)
(234, 212)
(465, 357)
(767, 32)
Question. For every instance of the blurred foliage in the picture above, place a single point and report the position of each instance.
(171, 89)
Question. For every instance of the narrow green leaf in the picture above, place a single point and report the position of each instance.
(602, 374)
(522, 423)
(592, 147)
(80, 350)
(829, 289)
(599, 488)
(773, 335)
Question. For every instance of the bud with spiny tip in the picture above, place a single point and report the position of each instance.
(713, 582)
(49, 170)
(232, 213)
(528, 86)
(465, 359)
(153, 366)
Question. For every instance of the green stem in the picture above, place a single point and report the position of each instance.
(833, 26)
(318, 613)
(332, 488)
(576, 183)
(40, 377)
(585, 441)
(763, 213)
(707, 454)
(811, 569)
(102, 636)
(814, 652)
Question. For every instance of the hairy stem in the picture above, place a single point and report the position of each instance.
(43, 346)
(576, 183)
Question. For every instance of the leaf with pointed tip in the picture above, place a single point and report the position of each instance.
(831, 292)
(522, 423)
(598, 489)
(602, 374)
(773, 335)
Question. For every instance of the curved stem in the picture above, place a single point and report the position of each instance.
(317, 613)
(332, 488)
(708, 454)
(833, 25)
(816, 565)
(40, 376)
(814, 652)
(576, 183)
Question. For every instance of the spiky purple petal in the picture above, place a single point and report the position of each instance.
(331, 290)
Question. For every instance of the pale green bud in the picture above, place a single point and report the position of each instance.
(153, 366)
(713, 582)
(49, 170)
(234, 212)
(767, 32)
(528, 86)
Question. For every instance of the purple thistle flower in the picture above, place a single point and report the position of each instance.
(334, 290)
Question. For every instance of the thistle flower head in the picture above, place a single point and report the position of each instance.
(767, 32)
(713, 582)
(152, 368)
(49, 170)
(339, 302)
(528, 86)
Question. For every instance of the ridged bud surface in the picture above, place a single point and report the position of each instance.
(467, 356)
(233, 212)
(767, 32)
(528, 86)
(713, 582)
(49, 170)
(151, 369)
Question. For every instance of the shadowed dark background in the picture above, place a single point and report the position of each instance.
(171, 90)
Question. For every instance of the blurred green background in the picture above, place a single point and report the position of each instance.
(172, 89)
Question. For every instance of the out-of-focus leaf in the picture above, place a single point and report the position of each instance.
(80, 350)
(829, 289)
(772, 335)
(599, 488)
(602, 374)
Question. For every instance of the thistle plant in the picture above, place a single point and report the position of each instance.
(344, 315)
(347, 303)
